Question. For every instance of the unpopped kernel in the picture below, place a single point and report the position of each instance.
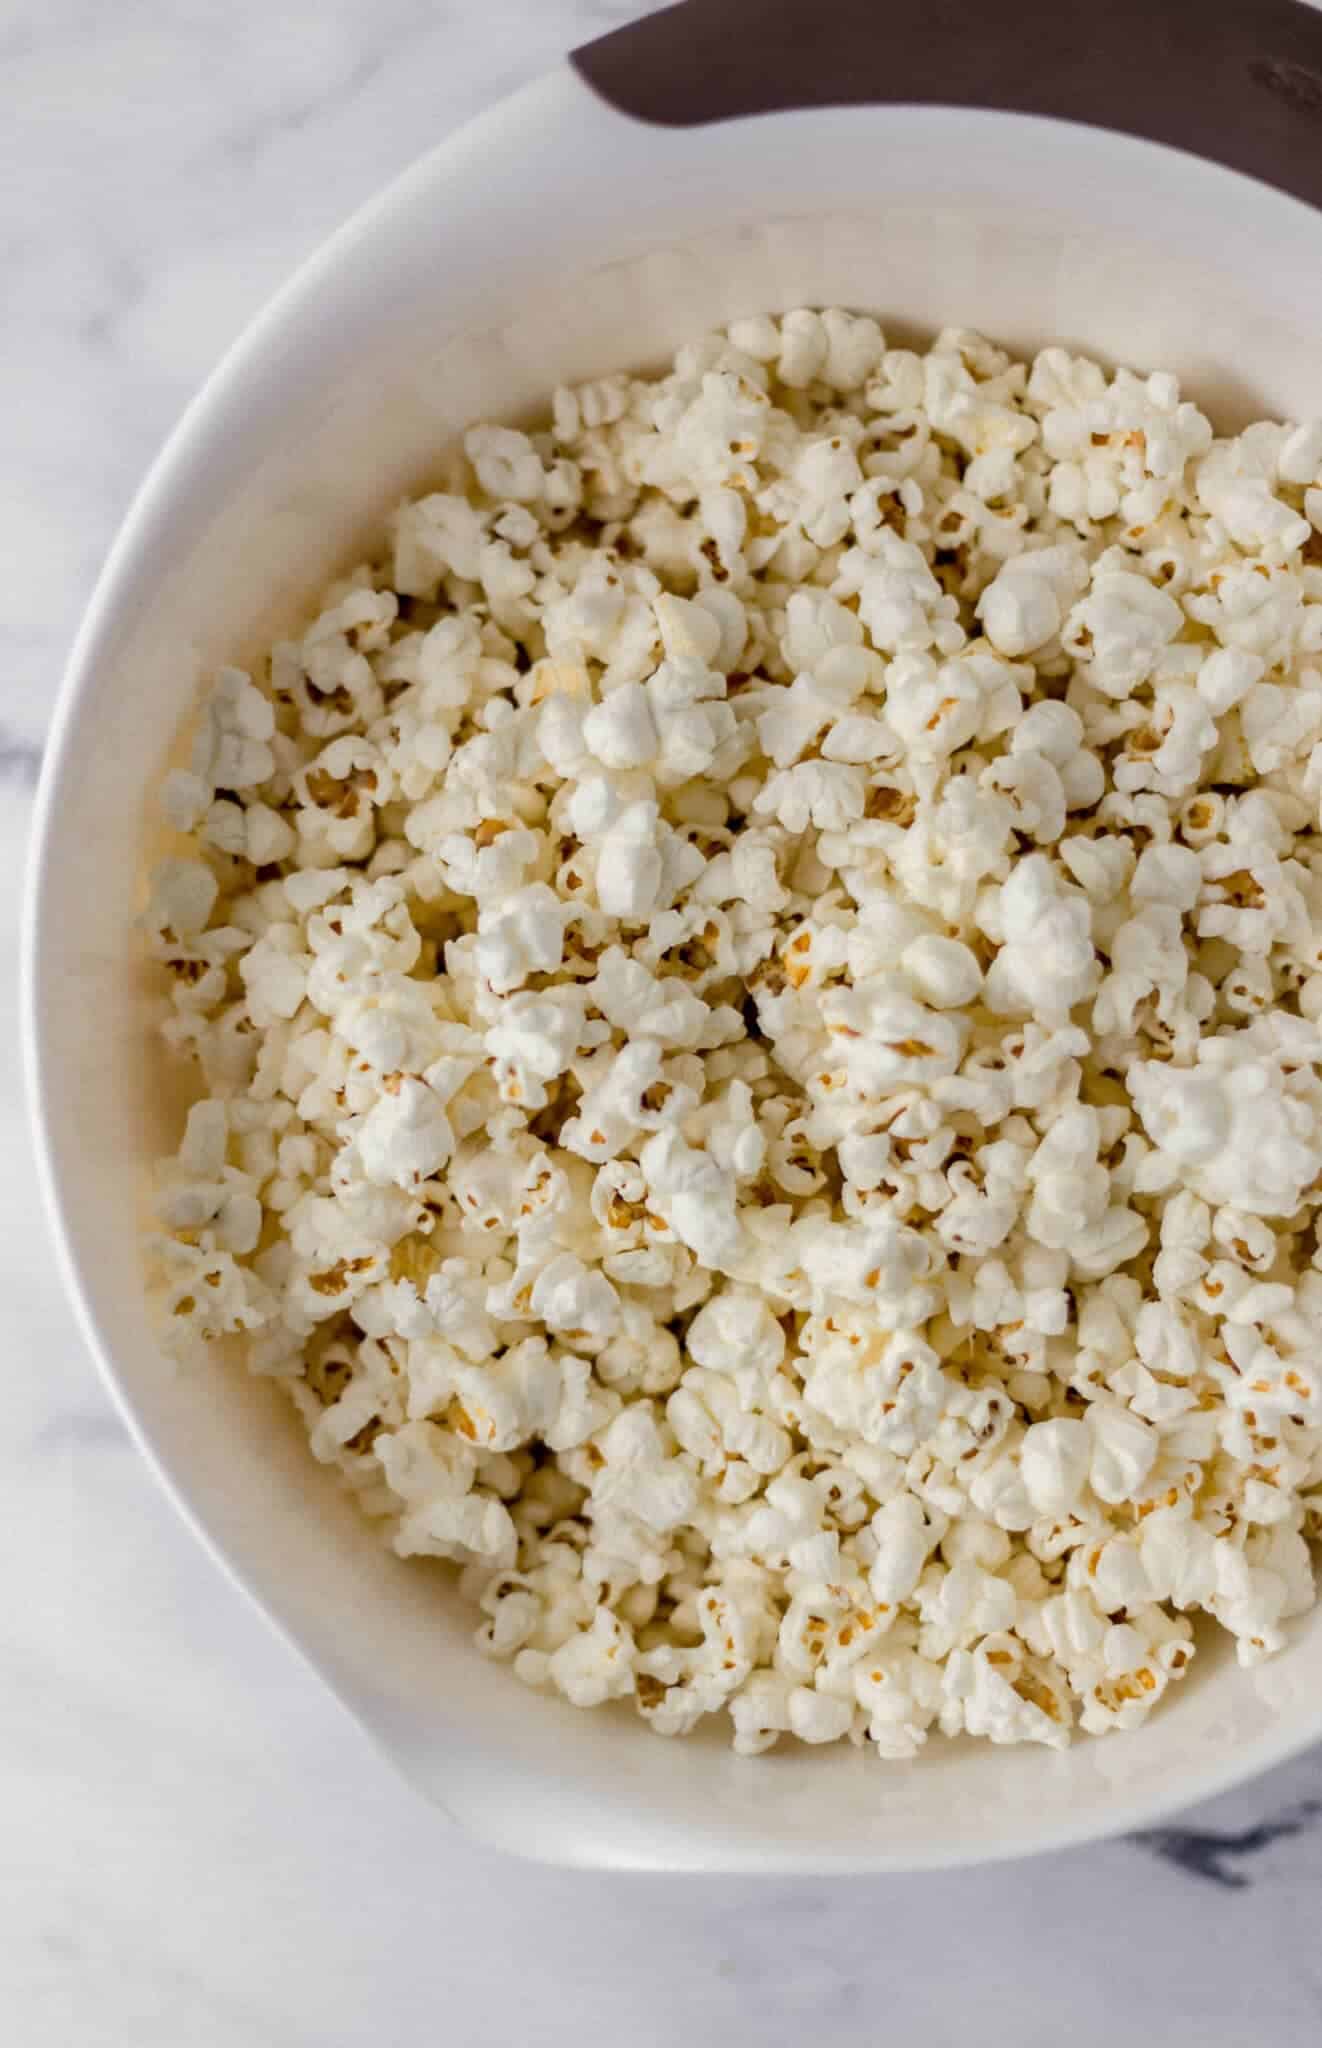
(756, 989)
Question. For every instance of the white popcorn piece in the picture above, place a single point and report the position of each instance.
(629, 866)
(904, 1539)
(232, 748)
(1124, 1450)
(1226, 677)
(734, 1332)
(596, 1664)
(1229, 1129)
(620, 731)
(945, 973)
(1054, 1460)
(506, 463)
(1046, 962)
(405, 1137)
(1231, 484)
(1025, 603)
(1167, 874)
(575, 1302)
(817, 1716)
(524, 936)
(1119, 629)
(439, 535)
(1299, 458)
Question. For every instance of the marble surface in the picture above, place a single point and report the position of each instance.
(196, 1849)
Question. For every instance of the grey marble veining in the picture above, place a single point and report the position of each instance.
(197, 1850)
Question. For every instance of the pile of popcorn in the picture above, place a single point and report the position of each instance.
(757, 989)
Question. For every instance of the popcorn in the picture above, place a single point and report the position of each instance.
(1231, 485)
(621, 731)
(1054, 1462)
(1046, 963)
(275, 972)
(522, 938)
(1124, 1450)
(232, 747)
(1023, 606)
(817, 1716)
(595, 1665)
(945, 973)
(1233, 1128)
(755, 988)
(1226, 677)
(439, 535)
(736, 1332)
(570, 1299)
(904, 1540)
(629, 865)
(506, 463)
(1117, 631)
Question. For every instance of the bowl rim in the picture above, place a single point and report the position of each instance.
(97, 623)
(542, 97)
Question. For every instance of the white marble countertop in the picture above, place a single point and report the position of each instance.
(196, 1849)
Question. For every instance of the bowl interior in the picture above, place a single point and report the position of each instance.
(505, 264)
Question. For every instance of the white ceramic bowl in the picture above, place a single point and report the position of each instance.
(559, 237)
